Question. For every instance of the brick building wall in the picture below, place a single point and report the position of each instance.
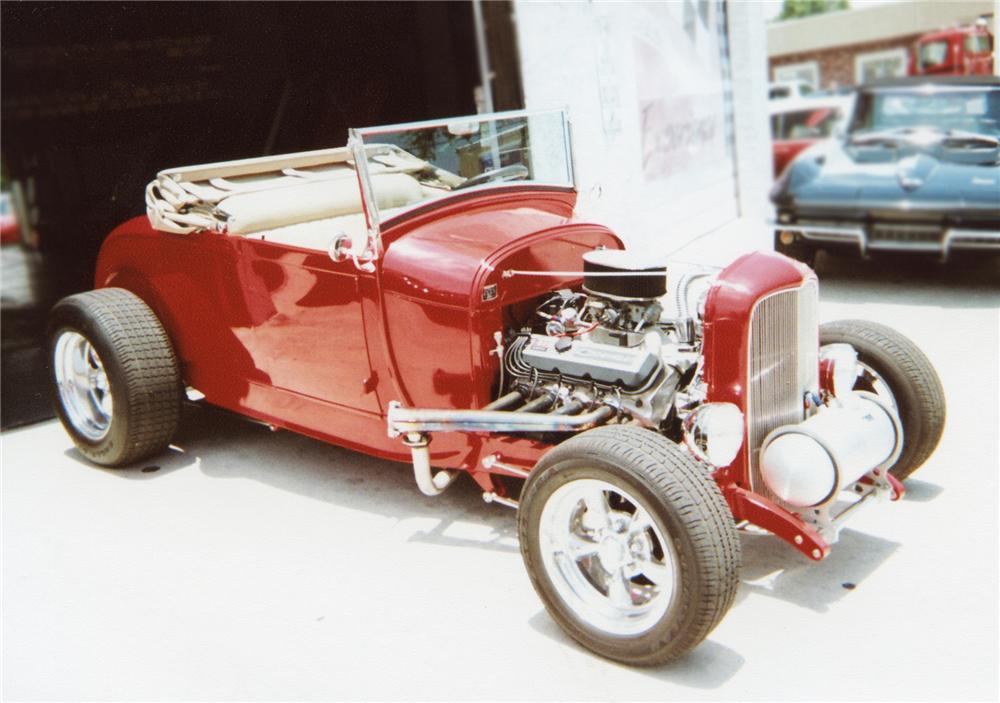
(837, 65)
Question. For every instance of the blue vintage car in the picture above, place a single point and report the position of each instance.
(917, 170)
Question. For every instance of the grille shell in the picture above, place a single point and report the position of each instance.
(783, 365)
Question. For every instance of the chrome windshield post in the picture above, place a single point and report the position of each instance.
(372, 248)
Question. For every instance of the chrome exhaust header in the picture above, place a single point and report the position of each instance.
(415, 424)
(402, 420)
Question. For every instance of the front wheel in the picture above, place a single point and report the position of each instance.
(629, 543)
(893, 368)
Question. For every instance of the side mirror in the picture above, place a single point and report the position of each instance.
(342, 248)
(339, 249)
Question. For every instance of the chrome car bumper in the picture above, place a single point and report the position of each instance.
(895, 237)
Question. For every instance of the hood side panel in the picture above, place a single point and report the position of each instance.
(441, 307)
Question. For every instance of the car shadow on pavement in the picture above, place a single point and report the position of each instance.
(909, 280)
(166, 462)
(228, 446)
(708, 666)
(921, 491)
(772, 568)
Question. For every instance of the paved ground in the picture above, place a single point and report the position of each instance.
(251, 565)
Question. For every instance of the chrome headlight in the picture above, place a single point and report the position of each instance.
(838, 368)
(714, 433)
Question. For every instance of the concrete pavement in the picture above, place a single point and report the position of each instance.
(250, 565)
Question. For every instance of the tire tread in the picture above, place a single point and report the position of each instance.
(687, 486)
(146, 357)
(926, 420)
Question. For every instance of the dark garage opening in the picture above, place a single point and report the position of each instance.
(97, 97)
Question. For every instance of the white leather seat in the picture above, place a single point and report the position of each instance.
(287, 206)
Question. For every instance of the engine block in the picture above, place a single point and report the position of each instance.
(585, 360)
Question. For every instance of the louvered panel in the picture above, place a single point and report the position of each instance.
(783, 365)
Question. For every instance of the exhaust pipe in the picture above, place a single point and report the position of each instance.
(542, 402)
(505, 401)
(429, 483)
(406, 420)
(415, 423)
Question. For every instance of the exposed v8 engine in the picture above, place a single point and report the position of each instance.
(590, 361)
(609, 343)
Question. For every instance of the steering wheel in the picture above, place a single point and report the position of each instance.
(514, 172)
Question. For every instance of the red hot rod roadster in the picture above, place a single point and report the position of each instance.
(425, 295)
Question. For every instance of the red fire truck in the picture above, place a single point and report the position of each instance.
(963, 51)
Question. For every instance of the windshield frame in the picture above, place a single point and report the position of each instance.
(363, 139)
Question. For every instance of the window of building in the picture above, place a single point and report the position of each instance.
(879, 64)
(805, 72)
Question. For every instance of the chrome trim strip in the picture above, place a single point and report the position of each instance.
(954, 238)
(904, 246)
(828, 233)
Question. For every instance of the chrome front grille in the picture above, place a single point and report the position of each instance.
(906, 233)
(783, 365)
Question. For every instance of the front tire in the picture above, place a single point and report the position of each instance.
(895, 369)
(115, 380)
(629, 543)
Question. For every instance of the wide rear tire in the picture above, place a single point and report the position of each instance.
(115, 380)
(629, 543)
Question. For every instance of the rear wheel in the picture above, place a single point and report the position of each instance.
(629, 543)
(115, 379)
(893, 368)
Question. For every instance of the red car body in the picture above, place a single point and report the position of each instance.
(253, 324)
(797, 124)
(419, 297)
(10, 228)
(249, 318)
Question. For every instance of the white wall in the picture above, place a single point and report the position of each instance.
(748, 52)
(607, 62)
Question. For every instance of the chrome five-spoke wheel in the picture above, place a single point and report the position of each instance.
(83, 385)
(606, 558)
(629, 543)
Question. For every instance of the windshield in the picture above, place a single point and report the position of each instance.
(964, 109)
(408, 165)
(815, 123)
